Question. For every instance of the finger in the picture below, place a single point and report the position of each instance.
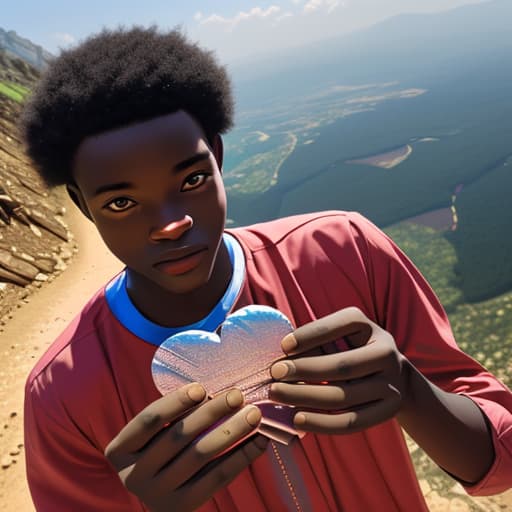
(351, 364)
(170, 441)
(196, 456)
(349, 422)
(332, 398)
(141, 429)
(350, 323)
(221, 472)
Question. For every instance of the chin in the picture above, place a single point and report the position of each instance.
(184, 283)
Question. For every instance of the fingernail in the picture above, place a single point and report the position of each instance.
(299, 419)
(234, 398)
(289, 343)
(253, 417)
(196, 392)
(280, 370)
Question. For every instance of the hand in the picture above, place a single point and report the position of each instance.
(159, 458)
(349, 391)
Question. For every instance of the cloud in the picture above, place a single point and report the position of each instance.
(267, 29)
(329, 5)
(287, 14)
(242, 16)
(64, 38)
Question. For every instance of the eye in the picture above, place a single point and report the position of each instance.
(195, 180)
(120, 204)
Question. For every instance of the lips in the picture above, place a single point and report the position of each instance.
(181, 261)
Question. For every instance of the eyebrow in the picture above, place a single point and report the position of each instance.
(179, 167)
(188, 162)
(111, 187)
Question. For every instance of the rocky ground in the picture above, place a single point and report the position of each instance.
(34, 240)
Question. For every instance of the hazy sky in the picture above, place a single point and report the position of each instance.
(234, 29)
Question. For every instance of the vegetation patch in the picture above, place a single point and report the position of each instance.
(482, 238)
(13, 91)
(482, 329)
(434, 256)
(257, 173)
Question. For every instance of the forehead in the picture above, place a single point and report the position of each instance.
(112, 155)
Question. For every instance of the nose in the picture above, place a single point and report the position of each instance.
(173, 230)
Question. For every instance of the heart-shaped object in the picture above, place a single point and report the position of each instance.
(241, 357)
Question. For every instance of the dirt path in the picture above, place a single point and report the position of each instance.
(26, 336)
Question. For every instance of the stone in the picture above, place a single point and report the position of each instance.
(66, 255)
(459, 505)
(26, 257)
(458, 489)
(17, 265)
(47, 256)
(45, 265)
(35, 230)
(424, 486)
(60, 266)
(438, 503)
(49, 224)
(13, 278)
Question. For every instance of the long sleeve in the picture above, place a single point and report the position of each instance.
(407, 307)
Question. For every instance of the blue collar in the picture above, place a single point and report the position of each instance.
(125, 311)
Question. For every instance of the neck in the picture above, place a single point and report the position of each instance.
(175, 310)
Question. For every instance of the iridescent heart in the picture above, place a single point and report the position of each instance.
(248, 345)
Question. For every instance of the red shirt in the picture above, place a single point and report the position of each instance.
(97, 376)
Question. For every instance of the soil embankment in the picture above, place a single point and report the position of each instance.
(29, 332)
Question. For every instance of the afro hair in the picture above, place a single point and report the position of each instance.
(117, 78)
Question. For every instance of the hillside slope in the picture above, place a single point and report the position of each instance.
(34, 241)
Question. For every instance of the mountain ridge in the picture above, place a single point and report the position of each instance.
(22, 48)
(406, 47)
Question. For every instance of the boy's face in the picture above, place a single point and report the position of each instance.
(154, 191)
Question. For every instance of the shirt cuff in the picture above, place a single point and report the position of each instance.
(498, 478)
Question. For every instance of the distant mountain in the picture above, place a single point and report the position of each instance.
(17, 46)
(410, 48)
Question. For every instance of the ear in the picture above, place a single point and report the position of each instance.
(218, 150)
(77, 198)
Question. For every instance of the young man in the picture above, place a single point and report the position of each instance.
(130, 122)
